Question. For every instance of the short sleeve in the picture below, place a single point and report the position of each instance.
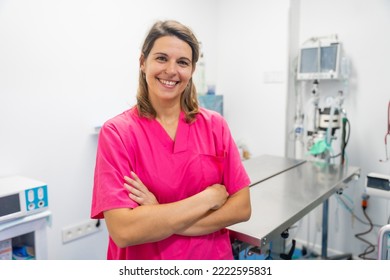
(235, 176)
(112, 164)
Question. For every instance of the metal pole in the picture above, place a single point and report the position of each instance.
(325, 214)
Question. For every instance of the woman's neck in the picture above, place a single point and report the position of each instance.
(168, 117)
(167, 112)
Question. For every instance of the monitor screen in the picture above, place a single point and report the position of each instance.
(319, 62)
(9, 204)
(329, 58)
(309, 60)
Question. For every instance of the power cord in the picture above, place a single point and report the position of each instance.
(350, 210)
(371, 247)
(346, 133)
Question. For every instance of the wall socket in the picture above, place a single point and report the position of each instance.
(80, 230)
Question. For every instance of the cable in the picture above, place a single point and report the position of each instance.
(343, 142)
(345, 138)
(371, 247)
(349, 209)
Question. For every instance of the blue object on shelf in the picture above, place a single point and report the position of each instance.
(212, 102)
(23, 253)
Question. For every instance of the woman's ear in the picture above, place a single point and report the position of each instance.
(142, 62)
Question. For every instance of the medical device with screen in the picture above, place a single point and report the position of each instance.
(319, 61)
(21, 196)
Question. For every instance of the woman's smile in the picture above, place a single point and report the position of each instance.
(168, 83)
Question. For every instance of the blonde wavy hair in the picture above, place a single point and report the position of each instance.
(189, 99)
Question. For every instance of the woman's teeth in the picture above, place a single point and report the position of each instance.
(168, 83)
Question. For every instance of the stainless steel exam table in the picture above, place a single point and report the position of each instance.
(283, 191)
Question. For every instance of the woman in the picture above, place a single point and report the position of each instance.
(168, 176)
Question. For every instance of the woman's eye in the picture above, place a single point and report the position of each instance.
(161, 58)
(184, 63)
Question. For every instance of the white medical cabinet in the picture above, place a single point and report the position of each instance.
(24, 217)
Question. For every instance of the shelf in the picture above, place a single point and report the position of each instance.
(30, 230)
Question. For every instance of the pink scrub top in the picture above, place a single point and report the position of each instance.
(203, 153)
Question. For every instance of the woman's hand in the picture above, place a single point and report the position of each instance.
(138, 191)
(217, 195)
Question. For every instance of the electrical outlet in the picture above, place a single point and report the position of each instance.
(80, 230)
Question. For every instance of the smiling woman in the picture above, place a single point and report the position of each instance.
(168, 175)
(168, 70)
(176, 32)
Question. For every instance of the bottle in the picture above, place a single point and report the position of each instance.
(200, 74)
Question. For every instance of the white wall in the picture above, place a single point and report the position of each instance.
(252, 71)
(66, 66)
(362, 27)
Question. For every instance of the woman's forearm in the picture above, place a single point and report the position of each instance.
(236, 209)
(150, 223)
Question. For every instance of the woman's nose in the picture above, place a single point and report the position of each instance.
(171, 68)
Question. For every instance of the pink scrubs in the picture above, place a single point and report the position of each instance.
(202, 154)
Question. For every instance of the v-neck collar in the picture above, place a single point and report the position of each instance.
(182, 134)
(181, 139)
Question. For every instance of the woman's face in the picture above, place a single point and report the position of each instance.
(168, 69)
